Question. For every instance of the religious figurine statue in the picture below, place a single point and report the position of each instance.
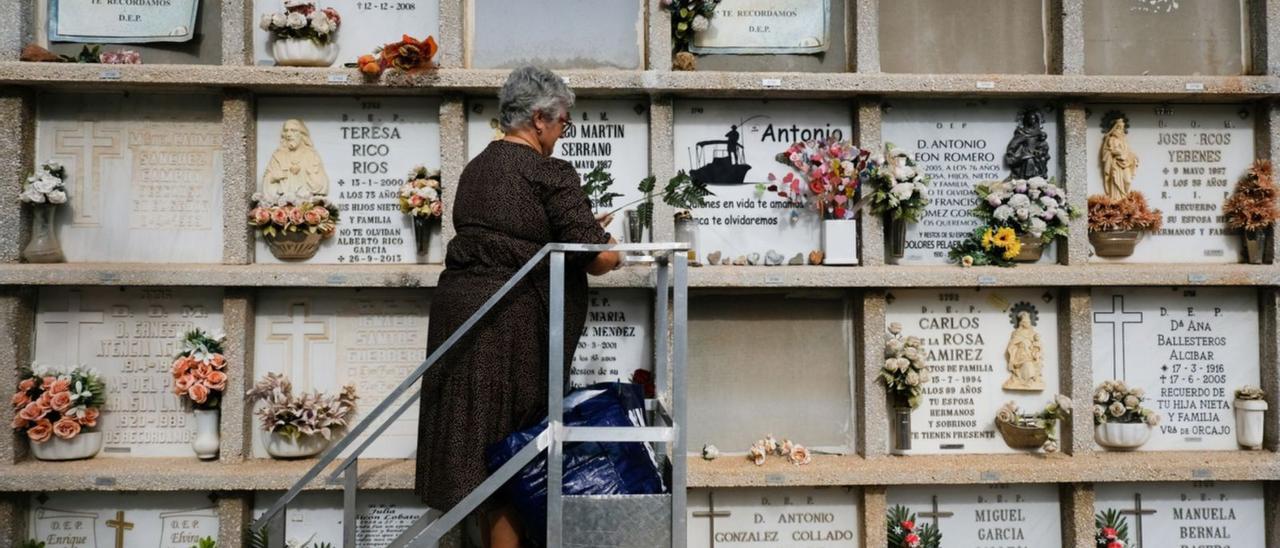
(1028, 152)
(295, 166)
(1119, 163)
(1025, 357)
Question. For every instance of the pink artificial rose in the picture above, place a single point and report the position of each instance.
(60, 401)
(41, 431)
(216, 380)
(311, 218)
(66, 428)
(260, 216)
(436, 208)
(89, 418)
(218, 361)
(20, 400)
(47, 383)
(203, 370)
(295, 216)
(27, 384)
(61, 385)
(333, 16)
(180, 366)
(181, 384)
(322, 212)
(33, 411)
(279, 216)
(416, 201)
(198, 392)
(19, 422)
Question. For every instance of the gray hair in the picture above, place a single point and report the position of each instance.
(528, 90)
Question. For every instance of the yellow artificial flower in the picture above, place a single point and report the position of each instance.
(987, 239)
(1005, 236)
(1012, 249)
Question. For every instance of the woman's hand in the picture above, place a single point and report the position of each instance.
(605, 261)
(603, 219)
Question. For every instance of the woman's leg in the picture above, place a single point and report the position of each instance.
(504, 528)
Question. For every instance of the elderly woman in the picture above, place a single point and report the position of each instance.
(512, 199)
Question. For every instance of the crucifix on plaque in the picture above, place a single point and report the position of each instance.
(298, 331)
(935, 514)
(711, 514)
(1118, 318)
(120, 525)
(88, 144)
(74, 318)
(1137, 512)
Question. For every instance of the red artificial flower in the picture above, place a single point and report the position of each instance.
(909, 525)
(1115, 544)
(839, 212)
(914, 539)
(1109, 532)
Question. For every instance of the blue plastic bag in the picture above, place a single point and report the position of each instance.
(590, 468)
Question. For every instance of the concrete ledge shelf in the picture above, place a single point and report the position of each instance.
(340, 80)
(389, 275)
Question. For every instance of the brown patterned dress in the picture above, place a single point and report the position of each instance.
(511, 201)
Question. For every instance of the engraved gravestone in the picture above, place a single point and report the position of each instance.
(793, 516)
(366, 147)
(765, 27)
(372, 339)
(1201, 514)
(380, 516)
(616, 341)
(958, 145)
(986, 516)
(1188, 348)
(130, 335)
(970, 336)
(112, 22)
(1189, 159)
(119, 520)
(732, 146)
(144, 175)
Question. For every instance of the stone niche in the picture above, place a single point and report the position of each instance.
(1203, 513)
(144, 175)
(771, 363)
(1165, 37)
(829, 25)
(365, 25)
(775, 516)
(986, 515)
(502, 34)
(963, 36)
(204, 48)
(108, 518)
(380, 516)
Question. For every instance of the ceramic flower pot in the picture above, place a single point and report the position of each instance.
(1249, 422)
(281, 446)
(44, 246)
(840, 241)
(205, 443)
(1117, 243)
(293, 246)
(303, 52)
(1032, 249)
(895, 239)
(1122, 436)
(1254, 243)
(83, 446)
(1022, 437)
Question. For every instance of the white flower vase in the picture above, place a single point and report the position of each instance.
(1249, 422)
(303, 52)
(83, 446)
(840, 241)
(281, 446)
(1122, 436)
(206, 442)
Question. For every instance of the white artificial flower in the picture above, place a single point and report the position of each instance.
(34, 196)
(700, 24)
(1002, 213)
(265, 22)
(903, 191)
(1037, 227)
(903, 173)
(1049, 202)
(296, 20)
(878, 159)
(1037, 181)
(278, 20)
(1019, 201)
(320, 24)
(53, 166)
(57, 197)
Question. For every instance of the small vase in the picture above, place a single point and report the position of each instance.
(895, 239)
(1249, 422)
(1032, 249)
(901, 426)
(303, 52)
(1254, 245)
(281, 446)
(293, 246)
(426, 232)
(44, 246)
(205, 443)
(1122, 436)
(840, 241)
(687, 232)
(83, 446)
(1114, 243)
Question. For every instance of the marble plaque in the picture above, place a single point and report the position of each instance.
(130, 335)
(613, 39)
(103, 519)
(367, 146)
(1189, 159)
(617, 338)
(794, 516)
(765, 27)
(754, 369)
(1142, 37)
(967, 334)
(958, 144)
(114, 22)
(963, 36)
(317, 516)
(1190, 349)
(370, 338)
(366, 25)
(1192, 515)
(986, 516)
(144, 175)
(613, 133)
(732, 145)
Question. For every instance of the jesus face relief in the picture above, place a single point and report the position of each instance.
(291, 135)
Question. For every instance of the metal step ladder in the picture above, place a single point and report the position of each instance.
(596, 521)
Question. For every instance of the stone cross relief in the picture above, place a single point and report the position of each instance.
(935, 514)
(297, 332)
(1137, 512)
(711, 514)
(87, 145)
(1117, 317)
(73, 318)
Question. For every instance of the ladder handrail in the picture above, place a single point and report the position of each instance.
(347, 439)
